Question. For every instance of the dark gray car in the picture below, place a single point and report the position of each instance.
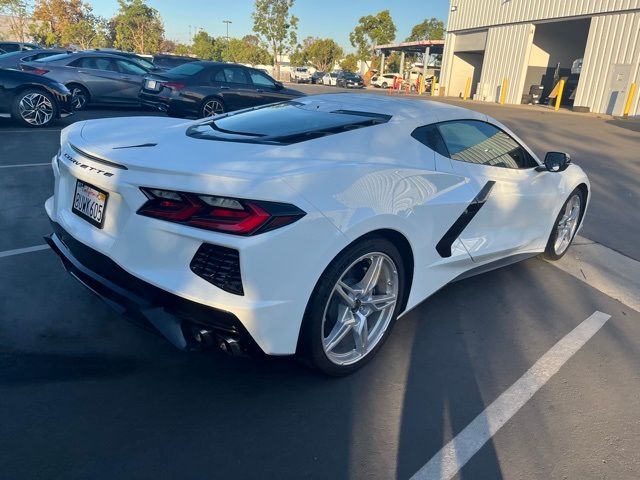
(13, 59)
(93, 77)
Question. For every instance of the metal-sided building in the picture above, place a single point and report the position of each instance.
(528, 42)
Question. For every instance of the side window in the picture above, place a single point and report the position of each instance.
(430, 137)
(130, 68)
(474, 141)
(261, 80)
(106, 64)
(219, 76)
(231, 75)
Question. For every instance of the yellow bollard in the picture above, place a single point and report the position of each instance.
(421, 86)
(433, 86)
(627, 106)
(467, 89)
(503, 91)
(559, 95)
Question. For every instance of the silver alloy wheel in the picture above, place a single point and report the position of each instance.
(360, 308)
(78, 98)
(36, 109)
(212, 107)
(567, 225)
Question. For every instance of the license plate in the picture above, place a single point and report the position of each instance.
(151, 84)
(90, 203)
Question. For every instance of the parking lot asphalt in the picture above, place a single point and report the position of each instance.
(84, 394)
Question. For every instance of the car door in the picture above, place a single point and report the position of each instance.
(131, 77)
(100, 76)
(268, 91)
(510, 212)
(234, 86)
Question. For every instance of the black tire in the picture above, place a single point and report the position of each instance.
(201, 111)
(385, 84)
(37, 119)
(310, 345)
(550, 251)
(81, 96)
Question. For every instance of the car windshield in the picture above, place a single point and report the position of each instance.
(53, 58)
(352, 76)
(188, 69)
(283, 124)
(143, 62)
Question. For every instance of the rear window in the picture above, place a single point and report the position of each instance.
(283, 124)
(53, 58)
(188, 69)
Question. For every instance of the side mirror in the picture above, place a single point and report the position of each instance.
(556, 161)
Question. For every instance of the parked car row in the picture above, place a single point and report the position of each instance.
(106, 77)
(343, 79)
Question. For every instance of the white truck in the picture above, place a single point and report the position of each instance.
(300, 75)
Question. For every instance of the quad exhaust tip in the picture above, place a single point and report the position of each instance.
(227, 343)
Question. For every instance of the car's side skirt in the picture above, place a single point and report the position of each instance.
(501, 262)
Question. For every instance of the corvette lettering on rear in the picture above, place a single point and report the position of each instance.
(88, 167)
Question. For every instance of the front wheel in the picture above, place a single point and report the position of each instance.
(79, 97)
(566, 226)
(353, 307)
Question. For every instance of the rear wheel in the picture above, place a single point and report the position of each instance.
(385, 84)
(353, 307)
(212, 106)
(566, 226)
(34, 108)
(79, 96)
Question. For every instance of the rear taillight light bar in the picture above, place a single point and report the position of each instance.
(219, 214)
(35, 70)
(174, 85)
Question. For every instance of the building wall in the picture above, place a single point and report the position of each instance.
(506, 56)
(613, 39)
(471, 14)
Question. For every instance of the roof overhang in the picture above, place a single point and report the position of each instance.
(436, 46)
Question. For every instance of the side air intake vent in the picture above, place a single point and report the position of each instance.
(219, 266)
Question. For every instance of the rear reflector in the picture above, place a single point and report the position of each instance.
(219, 214)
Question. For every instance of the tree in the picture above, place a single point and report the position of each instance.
(182, 49)
(323, 53)
(372, 30)
(349, 63)
(206, 47)
(19, 18)
(62, 22)
(273, 21)
(429, 29)
(138, 27)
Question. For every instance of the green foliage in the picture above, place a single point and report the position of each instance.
(323, 53)
(18, 17)
(138, 27)
(372, 30)
(182, 49)
(349, 63)
(245, 51)
(63, 22)
(276, 26)
(429, 29)
(206, 47)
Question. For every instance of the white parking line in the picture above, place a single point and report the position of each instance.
(19, 251)
(455, 454)
(26, 165)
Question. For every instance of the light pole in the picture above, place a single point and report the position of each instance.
(227, 22)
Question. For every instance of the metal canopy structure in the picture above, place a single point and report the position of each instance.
(435, 46)
(426, 47)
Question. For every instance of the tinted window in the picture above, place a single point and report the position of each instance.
(430, 136)
(261, 80)
(53, 58)
(283, 123)
(188, 69)
(474, 141)
(130, 68)
(231, 75)
(9, 47)
(95, 63)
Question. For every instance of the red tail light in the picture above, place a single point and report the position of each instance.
(35, 70)
(220, 214)
(174, 85)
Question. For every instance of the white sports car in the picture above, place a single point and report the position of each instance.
(305, 227)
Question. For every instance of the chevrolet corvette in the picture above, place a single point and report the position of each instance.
(305, 227)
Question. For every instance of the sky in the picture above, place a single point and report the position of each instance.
(319, 18)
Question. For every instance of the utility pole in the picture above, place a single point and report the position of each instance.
(227, 22)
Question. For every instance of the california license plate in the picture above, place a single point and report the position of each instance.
(90, 203)
(151, 84)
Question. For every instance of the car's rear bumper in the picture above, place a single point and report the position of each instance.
(176, 318)
(156, 103)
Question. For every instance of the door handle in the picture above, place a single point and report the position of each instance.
(260, 90)
(224, 88)
(81, 71)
